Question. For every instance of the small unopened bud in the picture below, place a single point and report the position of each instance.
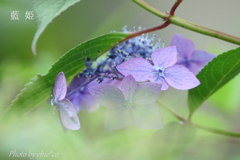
(100, 79)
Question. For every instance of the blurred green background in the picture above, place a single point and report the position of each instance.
(40, 132)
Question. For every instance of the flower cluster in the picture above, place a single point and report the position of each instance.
(104, 71)
(141, 46)
(112, 82)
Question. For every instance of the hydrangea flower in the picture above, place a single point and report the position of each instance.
(193, 59)
(129, 104)
(104, 70)
(162, 70)
(67, 113)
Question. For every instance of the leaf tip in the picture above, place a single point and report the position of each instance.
(34, 49)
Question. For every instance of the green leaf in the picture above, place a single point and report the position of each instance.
(46, 11)
(226, 98)
(39, 88)
(213, 76)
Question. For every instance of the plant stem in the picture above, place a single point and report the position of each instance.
(174, 7)
(138, 33)
(186, 24)
(178, 116)
(217, 131)
(184, 120)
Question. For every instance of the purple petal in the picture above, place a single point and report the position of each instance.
(165, 57)
(77, 82)
(199, 60)
(146, 93)
(139, 68)
(84, 101)
(68, 115)
(161, 81)
(185, 47)
(128, 86)
(115, 82)
(181, 78)
(60, 87)
(108, 96)
(117, 118)
(63, 127)
(147, 116)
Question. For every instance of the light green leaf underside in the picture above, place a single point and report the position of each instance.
(217, 73)
(46, 11)
(71, 63)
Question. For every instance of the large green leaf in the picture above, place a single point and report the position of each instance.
(213, 76)
(46, 11)
(39, 88)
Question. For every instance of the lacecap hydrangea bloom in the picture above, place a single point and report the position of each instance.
(192, 59)
(104, 71)
(112, 83)
(129, 104)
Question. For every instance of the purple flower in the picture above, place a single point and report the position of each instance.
(162, 71)
(193, 59)
(67, 113)
(103, 70)
(129, 104)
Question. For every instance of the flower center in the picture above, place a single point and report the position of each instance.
(160, 71)
(129, 103)
(185, 62)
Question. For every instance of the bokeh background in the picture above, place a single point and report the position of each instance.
(40, 131)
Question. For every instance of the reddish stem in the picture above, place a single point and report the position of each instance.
(174, 7)
(165, 24)
(135, 34)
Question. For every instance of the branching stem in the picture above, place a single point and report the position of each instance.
(186, 24)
